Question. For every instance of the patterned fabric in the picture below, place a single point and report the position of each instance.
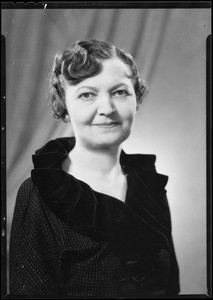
(69, 240)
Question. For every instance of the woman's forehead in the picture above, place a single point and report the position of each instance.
(116, 66)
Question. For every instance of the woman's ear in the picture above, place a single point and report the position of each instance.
(67, 119)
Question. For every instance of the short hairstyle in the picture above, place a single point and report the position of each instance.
(83, 60)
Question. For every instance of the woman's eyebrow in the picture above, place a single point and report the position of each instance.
(119, 85)
(87, 87)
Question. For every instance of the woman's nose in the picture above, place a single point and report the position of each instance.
(105, 105)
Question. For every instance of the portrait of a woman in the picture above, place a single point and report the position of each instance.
(93, 220)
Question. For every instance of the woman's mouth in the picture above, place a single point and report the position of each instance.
(106, 124)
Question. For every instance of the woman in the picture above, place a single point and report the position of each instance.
(93, 221)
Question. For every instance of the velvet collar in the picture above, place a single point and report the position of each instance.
(99, 215)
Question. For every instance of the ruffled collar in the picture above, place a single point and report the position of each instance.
(99, 215)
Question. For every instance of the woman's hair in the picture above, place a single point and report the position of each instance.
(83, 60)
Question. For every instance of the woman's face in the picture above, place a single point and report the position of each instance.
(102, 108)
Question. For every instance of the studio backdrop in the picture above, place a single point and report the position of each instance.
(169, 46)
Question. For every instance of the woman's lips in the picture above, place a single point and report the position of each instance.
(106, 124)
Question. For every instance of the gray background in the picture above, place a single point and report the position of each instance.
(170, 48)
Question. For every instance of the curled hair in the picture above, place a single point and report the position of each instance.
(83, 60)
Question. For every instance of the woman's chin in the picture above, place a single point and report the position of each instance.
(105, 142)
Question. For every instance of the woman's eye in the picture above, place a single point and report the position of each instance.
(121, 93)
(86, 96)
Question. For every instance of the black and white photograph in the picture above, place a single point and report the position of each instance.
(105, 156)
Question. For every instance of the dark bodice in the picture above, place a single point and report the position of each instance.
(69, 240)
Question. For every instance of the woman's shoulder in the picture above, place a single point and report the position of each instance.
(25, 205)
(26, 189)
(26, 184)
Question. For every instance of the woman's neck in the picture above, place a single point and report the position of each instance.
(100, 164)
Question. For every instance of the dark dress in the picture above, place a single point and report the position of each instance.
(69, 240)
